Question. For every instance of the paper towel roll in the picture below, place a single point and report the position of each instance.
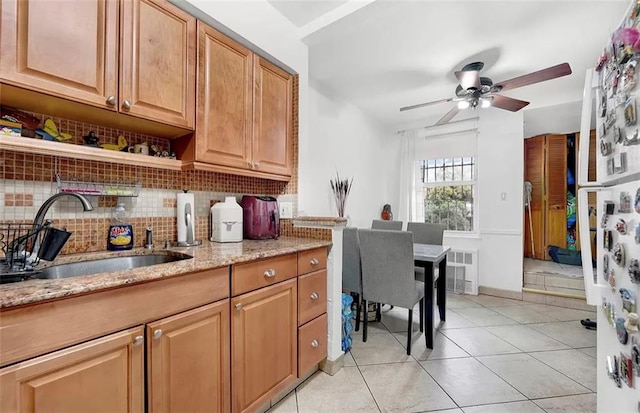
(182, 200)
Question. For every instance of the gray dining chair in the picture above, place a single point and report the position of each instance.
(425, 233)
(387, 225)
(388, 274)
(351, 268)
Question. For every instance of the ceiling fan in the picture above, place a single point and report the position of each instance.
(475, 90)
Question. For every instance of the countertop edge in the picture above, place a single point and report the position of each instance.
(206, 257)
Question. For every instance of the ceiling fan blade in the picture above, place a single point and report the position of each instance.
(469, 79)
(505, 102)
(448, 116)
(421, 105)
(549, 73)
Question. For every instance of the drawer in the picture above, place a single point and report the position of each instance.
(312, 260)
(257, 274)
(312, 344)
(312, 296)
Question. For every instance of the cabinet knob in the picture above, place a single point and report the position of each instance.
(314, 295)
(314, 261)
(126, 104)
(239, 306)
(270, 273)
(111, 100)
(314, 343)
(250, 164)
(157, 334)
(138, 340)
(256, 165)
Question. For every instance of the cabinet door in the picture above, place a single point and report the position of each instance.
(63, 48)
(223, 119)
(188, 361)
(534, 172)
(556, 191)
(102, 375)
(157, 73)
(272, 118)
(264, 344)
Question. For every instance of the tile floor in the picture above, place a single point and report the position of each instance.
(492, 355)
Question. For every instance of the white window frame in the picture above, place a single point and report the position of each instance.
(420, 186)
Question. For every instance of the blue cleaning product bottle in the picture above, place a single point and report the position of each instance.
(120, 235)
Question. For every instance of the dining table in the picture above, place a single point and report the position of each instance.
(428, 256)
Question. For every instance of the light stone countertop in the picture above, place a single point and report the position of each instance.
(207, 256)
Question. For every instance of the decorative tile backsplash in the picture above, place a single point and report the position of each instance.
(27, 180)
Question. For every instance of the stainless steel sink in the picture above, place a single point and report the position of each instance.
(76, 269)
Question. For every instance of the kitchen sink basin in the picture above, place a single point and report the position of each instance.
(75, 269)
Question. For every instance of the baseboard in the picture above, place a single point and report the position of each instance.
(497, 292)
(331, 367)
(556, 299)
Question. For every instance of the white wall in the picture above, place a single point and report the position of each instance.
(559, 119)
(343, 139)
(500, 157)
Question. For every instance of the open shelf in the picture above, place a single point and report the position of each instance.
(66, 150)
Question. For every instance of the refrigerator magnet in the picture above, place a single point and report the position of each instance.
(621, 226)
(605, 147)
(636, 204)
(631, 140)
(628, 303)
(621, 331)
(625, 203)
(634, 271)
(617, 135)
(626, 369)
(612, 283)
(608, 240)
(635, 355)
(609, 207)
(605, 266)
(632, 323)
(618, 254)
(630, 112)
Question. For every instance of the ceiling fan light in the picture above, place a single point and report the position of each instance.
(463, 104)
(485, 103)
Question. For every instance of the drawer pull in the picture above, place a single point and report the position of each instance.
(270, 273)
(239, 306)
(138, 340)
(157, 334)
(314, 261)
(126, 104)
(111, 100)
(314, 296)
(314, 343)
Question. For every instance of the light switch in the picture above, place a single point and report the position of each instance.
(286, 209)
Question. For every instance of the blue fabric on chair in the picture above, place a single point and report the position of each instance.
(388, 273)
(388, 225)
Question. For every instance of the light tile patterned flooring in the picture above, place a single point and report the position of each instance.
(492, 355)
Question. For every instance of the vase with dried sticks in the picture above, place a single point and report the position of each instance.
(341, 189)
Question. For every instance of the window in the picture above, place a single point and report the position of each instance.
(448, 186)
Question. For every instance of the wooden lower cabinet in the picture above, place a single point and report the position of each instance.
(312, 344)
(264, 327)
(188, 361)
(102, 375)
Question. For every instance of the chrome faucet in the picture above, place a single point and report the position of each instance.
(39, 219)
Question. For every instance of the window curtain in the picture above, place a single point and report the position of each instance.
(409, 205)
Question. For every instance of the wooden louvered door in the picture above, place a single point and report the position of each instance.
(534, 164)
(555, 208)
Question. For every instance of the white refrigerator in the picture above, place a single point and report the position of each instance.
(611, 90)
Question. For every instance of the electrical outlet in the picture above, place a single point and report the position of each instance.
(286, 210)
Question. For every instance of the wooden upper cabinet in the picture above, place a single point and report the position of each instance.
(102, 375)
(272, 118)
(67, 49)
(188, 361)
(158, 57)
(224, 102)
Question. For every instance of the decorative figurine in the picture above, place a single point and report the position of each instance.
(623, 334)
(91, 140)
(386, 214)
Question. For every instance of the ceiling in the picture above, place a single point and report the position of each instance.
(390, 54)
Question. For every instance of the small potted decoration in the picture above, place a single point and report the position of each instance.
(341, 189)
